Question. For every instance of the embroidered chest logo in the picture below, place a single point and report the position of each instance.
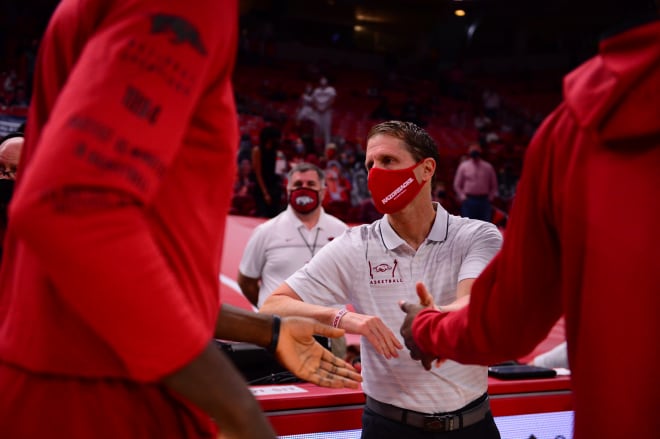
(384, 273)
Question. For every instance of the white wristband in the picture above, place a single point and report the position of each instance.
(338, 317)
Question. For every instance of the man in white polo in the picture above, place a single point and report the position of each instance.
(416, 244)
(281, 245)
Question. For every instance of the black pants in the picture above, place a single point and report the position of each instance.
(377, 427)
(477, 207)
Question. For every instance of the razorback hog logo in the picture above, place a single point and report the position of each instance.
(304, 200)
(384, 273)
(382, 268)
(181, 30)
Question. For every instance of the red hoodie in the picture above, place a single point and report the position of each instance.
(116, 228)
(583, 240)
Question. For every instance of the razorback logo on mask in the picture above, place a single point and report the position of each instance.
(304, 200)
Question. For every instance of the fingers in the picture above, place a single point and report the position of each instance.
(439, 362)
(425, 298)
(427, 362)
(404, 305)
(317, 365)
(333, 382)
(384, 341)
(336, 373)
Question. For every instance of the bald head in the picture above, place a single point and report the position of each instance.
(10, 154)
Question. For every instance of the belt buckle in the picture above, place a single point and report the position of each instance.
(438, 422)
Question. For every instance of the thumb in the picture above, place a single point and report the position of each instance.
(404, 305)
(425, 298)
(328, 331)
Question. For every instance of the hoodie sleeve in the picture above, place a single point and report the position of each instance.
(83, 203)
(514, 302)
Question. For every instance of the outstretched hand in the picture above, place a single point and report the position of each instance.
(411, 310)
(299, 352)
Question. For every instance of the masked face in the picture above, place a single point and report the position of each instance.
(304, 200)
(392, 190)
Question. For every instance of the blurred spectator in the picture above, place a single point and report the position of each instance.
(281, 165)
(324, 98)
(382, 110)
(306, 112)
(244, 183)
(359, 187)
(245, 148)
(10, 153)
(475, 184)
(330, 151)
(9, 81)
(337, 187)
(367, 212)
(268, 186)
(348, 163)
(446, 200)
(411, 112)
(482, 123)
(20, 98)
(242, 202)
(491, 102)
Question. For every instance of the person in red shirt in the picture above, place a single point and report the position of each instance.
(109, 299)
(570, 250)
(475, 184)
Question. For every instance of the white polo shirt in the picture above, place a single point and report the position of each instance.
(281, 245)
(372, 268)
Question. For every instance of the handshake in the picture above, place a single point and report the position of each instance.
(411, 310)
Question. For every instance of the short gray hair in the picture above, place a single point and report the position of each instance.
(304, 167)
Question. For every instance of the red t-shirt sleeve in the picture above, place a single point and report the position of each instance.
(83, 204)
(514, 302)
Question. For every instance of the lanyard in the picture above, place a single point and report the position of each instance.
(312, 249)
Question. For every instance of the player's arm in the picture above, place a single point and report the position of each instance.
(249, 287)
(514, 301)
(212, 383)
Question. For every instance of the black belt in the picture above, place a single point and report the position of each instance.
(436, 421)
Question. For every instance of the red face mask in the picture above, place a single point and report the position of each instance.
(304, 200)
(392, 190)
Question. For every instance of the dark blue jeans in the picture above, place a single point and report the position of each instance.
(377, 427)
(477, 207)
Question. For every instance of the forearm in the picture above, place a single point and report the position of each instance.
(251, 293)
(288, 306)
(211, 382)
(240, 325)
(457, 304)
(249, 288)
